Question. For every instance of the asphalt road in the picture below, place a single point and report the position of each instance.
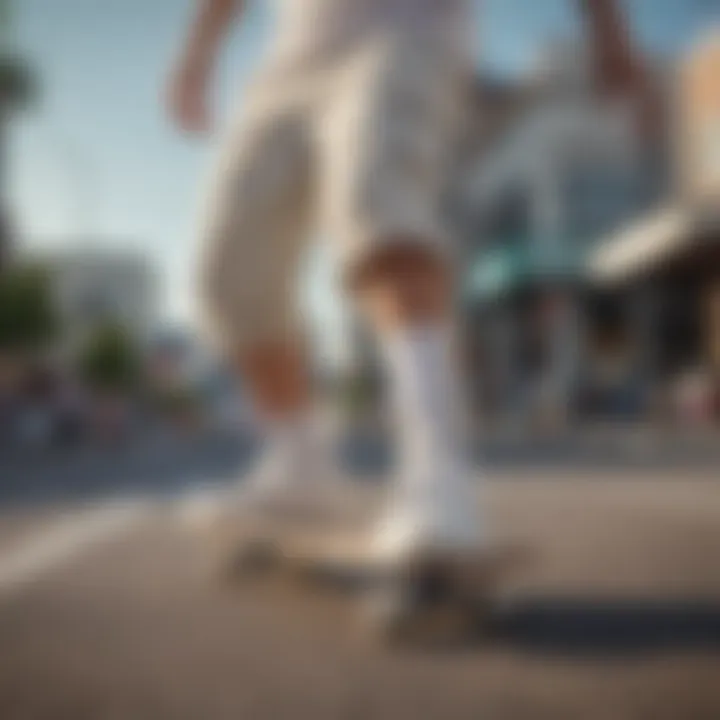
(107, 611)
(166, 466)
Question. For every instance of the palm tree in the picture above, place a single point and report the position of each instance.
(17, 90)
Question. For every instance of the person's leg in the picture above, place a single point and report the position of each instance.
(255, 232)
(276, 375)
(404, 284)
(387, 139)
(406, 293)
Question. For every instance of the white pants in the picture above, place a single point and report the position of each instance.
(359, 141)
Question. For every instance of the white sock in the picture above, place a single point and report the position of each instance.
(428, 407)
(436, 502)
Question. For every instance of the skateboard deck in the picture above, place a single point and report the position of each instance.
(431, 595)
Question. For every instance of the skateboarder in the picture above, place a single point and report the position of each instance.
(349, 120)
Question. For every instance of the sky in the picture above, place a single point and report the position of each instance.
(97, 161)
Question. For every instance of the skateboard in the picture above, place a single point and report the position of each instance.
(432, 596)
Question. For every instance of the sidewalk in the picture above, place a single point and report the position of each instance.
(632, 442)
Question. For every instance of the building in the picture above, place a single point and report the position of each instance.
(672, 254)
(177, 358)
(94, 286)
(567, 168)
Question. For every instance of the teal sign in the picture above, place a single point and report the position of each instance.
(507, 268)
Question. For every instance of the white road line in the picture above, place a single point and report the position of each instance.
(65, 540)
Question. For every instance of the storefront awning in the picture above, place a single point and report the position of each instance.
(507, 268)
(642, 246)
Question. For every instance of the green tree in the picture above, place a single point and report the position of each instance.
(28, 319)
(110, 360)
(18, 89)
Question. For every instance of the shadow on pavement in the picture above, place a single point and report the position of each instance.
(613, 627)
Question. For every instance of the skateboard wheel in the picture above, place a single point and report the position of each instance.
(390, 615)
(252, 558)
(405, 615)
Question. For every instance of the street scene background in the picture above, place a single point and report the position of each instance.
(586, 215)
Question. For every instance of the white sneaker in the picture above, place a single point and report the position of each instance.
(429, 516)
(274, 488)
(310, 487)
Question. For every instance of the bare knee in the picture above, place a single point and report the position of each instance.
(276, 375)
(404, 283)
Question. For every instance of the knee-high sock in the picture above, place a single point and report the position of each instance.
(426, 393)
